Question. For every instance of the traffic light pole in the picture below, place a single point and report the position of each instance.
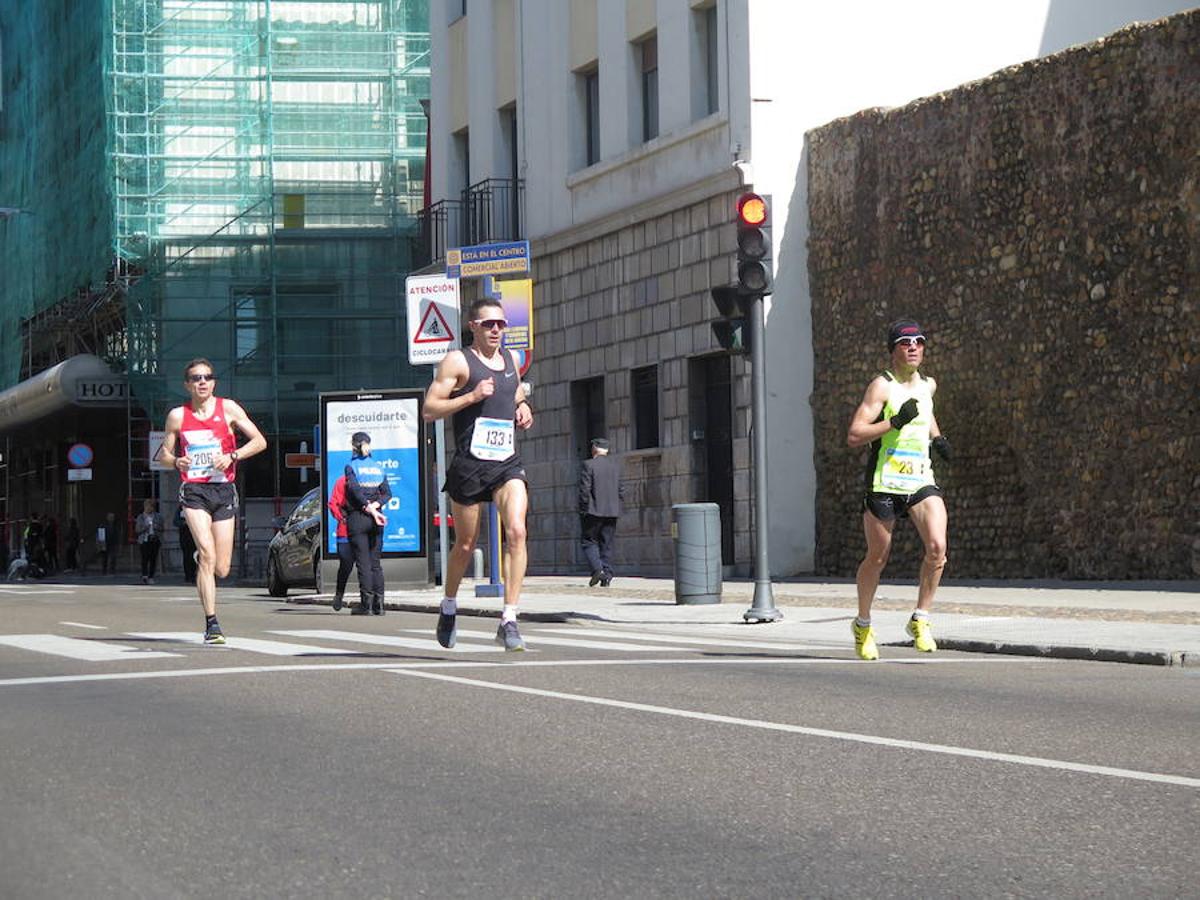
(762, 608)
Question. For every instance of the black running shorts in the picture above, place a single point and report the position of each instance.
(219, 500)
(472, 480)
(895, 506)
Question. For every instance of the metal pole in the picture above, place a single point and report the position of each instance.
(439, 449)
(495, 585)
(762, 609)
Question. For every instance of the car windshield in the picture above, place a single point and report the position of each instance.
(307, 507)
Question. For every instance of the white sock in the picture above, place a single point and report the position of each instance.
(450, 606)
(920, 614)
(862, 623)
(510, 613)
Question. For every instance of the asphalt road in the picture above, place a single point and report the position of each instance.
(325, 755)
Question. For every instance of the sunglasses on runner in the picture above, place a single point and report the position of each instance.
(910, 342)
(201, 376)
(491, 324)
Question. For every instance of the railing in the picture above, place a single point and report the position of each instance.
(440, 227)
(495, 210)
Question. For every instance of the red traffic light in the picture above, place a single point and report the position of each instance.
(752, 209)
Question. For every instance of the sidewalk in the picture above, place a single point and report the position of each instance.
(1154, 623)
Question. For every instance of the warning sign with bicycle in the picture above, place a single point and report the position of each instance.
(433, 326)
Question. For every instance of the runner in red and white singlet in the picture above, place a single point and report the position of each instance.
(201, 444)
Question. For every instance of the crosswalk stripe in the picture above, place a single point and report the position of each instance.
(732, 643)
(78, 648)
(387, 640)
(541, 637)
(270, 648)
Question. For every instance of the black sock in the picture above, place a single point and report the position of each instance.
(209, 620)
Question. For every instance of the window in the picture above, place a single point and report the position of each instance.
(587, 413)
(645, 407)
(711, 62)
(649, 67)
(591, 116)
(462, 159)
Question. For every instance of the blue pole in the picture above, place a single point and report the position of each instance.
(494, 587)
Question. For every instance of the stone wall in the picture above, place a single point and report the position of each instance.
(1043, 225)
(618, 295)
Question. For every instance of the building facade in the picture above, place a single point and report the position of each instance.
(616, 135)
(233, 179)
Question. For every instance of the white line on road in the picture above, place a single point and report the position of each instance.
(1130, 774)
(27, 592)
(77, 648)
(455, 664)
(270, 648)
(386, 640)
(85, 625)
(732, 643)
(582, 643)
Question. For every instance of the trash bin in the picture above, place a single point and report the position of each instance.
(696, 529)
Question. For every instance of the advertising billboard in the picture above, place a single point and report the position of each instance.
(392, 419)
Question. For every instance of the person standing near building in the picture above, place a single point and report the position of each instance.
(201, 444)
(480, 387)
(896, 421)
(149, 529)
(345, 553)
(367, 492)
(600, 495)
(51, 541)
(72, 540)
(187, 546)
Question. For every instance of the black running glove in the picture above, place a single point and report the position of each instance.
(908, 412)
(941, 446)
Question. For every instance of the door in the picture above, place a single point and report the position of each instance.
(717, 429)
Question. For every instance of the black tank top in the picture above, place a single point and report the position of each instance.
(501, 405)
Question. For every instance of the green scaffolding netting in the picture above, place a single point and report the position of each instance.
(254, 167)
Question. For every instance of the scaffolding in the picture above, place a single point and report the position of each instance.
(266, 160)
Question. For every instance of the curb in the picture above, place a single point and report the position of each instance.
(1163, 658)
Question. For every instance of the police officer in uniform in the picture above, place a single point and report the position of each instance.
(367, 492)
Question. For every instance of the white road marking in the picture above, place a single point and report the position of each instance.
(85, 625)
(921, 746)
(582, 643)
(77, 648)
(429, 644)
(730, 643)
(271, 648)
(32, 591)
(523, 663)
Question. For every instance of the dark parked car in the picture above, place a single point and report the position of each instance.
(293, 556)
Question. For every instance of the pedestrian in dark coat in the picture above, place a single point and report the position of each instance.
(600, 495)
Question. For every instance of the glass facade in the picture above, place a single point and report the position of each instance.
(266, 159)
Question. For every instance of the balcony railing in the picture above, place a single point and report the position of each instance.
(490, 211)
(441, 227)
(495, 210)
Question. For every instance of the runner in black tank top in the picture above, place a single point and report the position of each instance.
(480, 388)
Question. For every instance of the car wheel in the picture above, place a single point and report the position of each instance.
(275, 584)
(318, 579)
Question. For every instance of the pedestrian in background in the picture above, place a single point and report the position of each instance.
(149, 527)
(345, 553)
(111, 540)
(51, 538)
(187, 546)
(600, 495)
(72, 541)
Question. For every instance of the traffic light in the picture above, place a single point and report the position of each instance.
(754, 245)
(732, 330)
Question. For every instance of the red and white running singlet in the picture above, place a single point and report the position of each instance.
(203, 440)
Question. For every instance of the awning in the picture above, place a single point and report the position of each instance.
(82, 380)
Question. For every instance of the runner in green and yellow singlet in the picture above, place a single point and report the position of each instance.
(896, 422)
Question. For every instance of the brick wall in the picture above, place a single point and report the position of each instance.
(630, 295)
(1043, 225)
